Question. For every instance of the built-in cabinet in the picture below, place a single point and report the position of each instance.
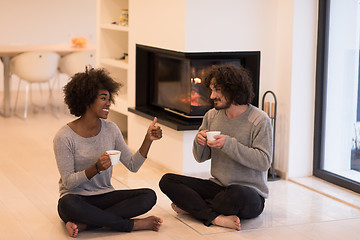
(113, 45)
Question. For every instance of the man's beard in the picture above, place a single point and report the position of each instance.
(225, 106)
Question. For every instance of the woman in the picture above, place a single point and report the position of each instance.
(87, 198)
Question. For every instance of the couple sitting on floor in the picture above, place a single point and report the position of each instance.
(240, 158)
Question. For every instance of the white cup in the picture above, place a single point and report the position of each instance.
(210, 135)
(114, 156)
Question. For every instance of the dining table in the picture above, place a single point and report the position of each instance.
(8, 51)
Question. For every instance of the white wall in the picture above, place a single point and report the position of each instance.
(45, 22)
(302, 88)
(283, 66)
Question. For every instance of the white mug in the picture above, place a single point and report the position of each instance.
(114, 156)
(210, 135)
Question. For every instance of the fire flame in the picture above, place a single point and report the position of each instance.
(193, 99)
(196, 80)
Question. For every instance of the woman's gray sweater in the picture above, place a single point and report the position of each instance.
(74, 154)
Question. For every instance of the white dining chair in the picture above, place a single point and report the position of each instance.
(71, 64)
(31, 68)
(76, 62)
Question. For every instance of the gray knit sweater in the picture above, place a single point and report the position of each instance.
(74, 154)
(247, 153)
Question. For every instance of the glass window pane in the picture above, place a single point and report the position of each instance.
(341, 102)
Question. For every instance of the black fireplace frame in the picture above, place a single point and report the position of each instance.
(144, 107)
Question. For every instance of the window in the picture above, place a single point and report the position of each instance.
(336, 153)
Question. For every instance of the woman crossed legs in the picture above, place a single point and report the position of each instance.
(113, 210)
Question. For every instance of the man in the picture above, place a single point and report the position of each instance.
(240, 156)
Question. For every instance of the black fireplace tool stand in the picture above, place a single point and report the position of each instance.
(271, 110)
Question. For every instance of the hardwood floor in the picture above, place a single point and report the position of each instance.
(29, 194)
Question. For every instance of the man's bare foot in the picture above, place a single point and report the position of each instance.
(177, 209)
(149, 223)
(232, 221)
(73, 229)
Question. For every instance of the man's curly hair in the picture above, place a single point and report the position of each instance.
(234, 82)
(83, 88)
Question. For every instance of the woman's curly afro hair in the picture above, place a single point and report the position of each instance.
(234, 82)
(82, 90)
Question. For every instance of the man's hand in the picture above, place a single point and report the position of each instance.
(201, 137)
(218, 142)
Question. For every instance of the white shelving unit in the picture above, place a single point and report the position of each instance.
(112, 43)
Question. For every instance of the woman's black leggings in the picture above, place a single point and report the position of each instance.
(205, 200)
(113, 210)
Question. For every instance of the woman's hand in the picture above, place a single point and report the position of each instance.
(103, 162)
(154, 132)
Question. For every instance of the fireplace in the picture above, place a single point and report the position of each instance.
(169, 84)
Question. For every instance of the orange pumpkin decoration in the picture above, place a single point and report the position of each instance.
(79, 41)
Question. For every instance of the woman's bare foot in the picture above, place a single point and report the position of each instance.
(149, 223)
(232, 221)
(73, 229)
(177, 209)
